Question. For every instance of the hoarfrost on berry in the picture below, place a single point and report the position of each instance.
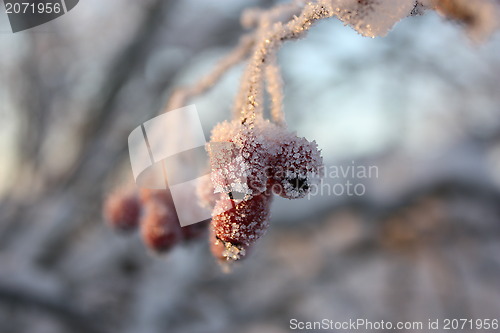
(372, 18)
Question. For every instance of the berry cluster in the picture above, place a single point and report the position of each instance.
(251, 158)
(152, 211)
(262, 159)
(249, 163)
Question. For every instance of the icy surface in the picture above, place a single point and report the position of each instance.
(241, 164)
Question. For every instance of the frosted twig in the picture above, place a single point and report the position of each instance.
(263, 19)
(268, 41)
(272, 75)
(182, 95)
(274, 85)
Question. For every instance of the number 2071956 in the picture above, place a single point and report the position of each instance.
(33, 8)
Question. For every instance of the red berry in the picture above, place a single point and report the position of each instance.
(122, 210)
(240, 165)
(298, 165)
(160, 227)
(241, 223)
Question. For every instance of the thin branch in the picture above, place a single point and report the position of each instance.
(182, 95)
(269, 41)
(274, 85)
(122, 69)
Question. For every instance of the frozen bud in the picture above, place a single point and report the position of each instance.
(122, 210)
(298, 166)
(160, 228)
(241, 223)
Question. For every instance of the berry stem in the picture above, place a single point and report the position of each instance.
(270, 37)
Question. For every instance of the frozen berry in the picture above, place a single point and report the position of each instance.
(122, 210)
(226, 251)
(243, 222)
(298, 166)
(240, 155)
(160, 228)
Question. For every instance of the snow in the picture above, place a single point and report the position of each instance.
(372, 18)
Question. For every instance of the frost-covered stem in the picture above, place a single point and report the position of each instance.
(181, 96)
(263, 20)
(274, 85)
(268, 43)
(272, 73)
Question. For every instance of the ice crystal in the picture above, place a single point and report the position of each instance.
(241, 222)
(240, 155)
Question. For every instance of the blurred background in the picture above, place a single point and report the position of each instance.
(421, 107)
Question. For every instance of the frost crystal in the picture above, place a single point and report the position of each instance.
(299, 165)
(240, 155)
(241, 222)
